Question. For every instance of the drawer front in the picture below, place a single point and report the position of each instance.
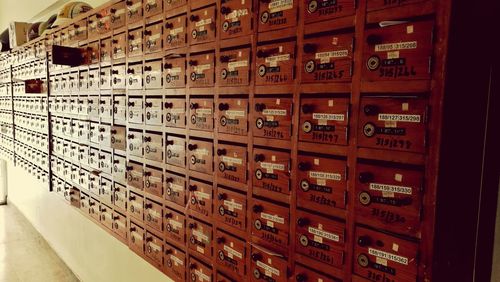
(393, 124)
(103, 21)
(174, 71)
(175, 112)
(232, 163)
(380, 255)
(201, 114)
(327, 59)
(201, 70)
(120, 108)
(120, 196)
(320, 10)
(134, 77)
(119, 171)
(118, 15)
(120, 225)
(324, 120)
(176, 151)
(175, 263)
(322, 182)
(153, 215)
(105, 135)
(74, 195)
(273, 118)
(200, 154)
(119, 45)
(135, 110)
(80, 31)
(94, 209)
(84, 203)
(233, 117)
(106, 50)
(153, 182)
(153, 147)
(175, 226)
(234, 67)
(135, 42)
(106, 216)
(106, 191)
(153, 38)
(202, 26)
(152, 7)
(199, 271)
(105, 162)
(118, 137)
(231, 208)
(136, 206)
(135, 175)
(200, 237)
(200, 198)
(136, 235)
(398, 52)
(320, 238)
(153, 111)
(93, 51)
(272, 172)
(275, 64)
(175, 31)
(154, 249)
(175, 189)
(267, 267)
(171, 4)
(270, 223)
(153, 75)
(106, 107)
(94, 184)
(134, 10)
(231, 253)
(236, 19)
(93, 106)
(389, 198)
(118, 77)
(276, 14)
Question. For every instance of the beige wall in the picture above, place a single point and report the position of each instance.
(89, 251)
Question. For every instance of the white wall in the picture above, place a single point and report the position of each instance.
(89, 251)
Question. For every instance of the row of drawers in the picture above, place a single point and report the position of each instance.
(31, 122)
(35, 156)
(33, 69)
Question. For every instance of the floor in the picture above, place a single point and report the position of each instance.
(24, 255)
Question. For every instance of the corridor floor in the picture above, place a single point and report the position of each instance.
(24, 255)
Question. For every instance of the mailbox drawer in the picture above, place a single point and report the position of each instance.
(175, 226)
(84, 179)
(270, 223)
(84, 202)
(106, 107)
(231, 208)
(105, 135)
(200, 237)
(93, 50)
(201, 70)
(200, 198)
(175, 112)
(152, 7)
(175, 188)
(120, 108)
(199, 271)
(135, 42)
(320, 238)
(153, 75)
(175, 31)
(120, 196)
(106, 191)
(380, 255)
(320, 10)
(153, 38)
(120, 225)
(232, 163)
(276, 14)
(119, 45)
(94, 209)
(93, 106)
(74, 195)
(176, 150)
(234, 67)
(267, 267)
(105, 162)
(135, 175)
(322, 183)
(153, 214)
(106, 50)
(103, 21)
(231, 253)
(236, 19)
(153, 181)
(153, 111)
(305, 274)
(327, 58)
(134, 76)
(93, 79)
(175, 263)
(94, 158)
(174, 70)
(275, 64)
(83, 155)
(118, 14)
(398, 52)
(273, 118)
(153, 146)
(136, 206)
(200, 155)
(202, 114)
(324, 120)
(272, 172)
(119, 171)
(135, 110)
(136, 236)
(94, 184)
(201, 25)
(393, 123)
(389, 198)
(106, 216)
(79, 31)
(118, 76)
(118, 138)
(154, 249)
(134, 10)
(233, 117)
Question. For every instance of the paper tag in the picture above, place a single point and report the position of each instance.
(405, 107)
(204, 111)
(233, 114)
(326, 116)
(396, 46)
(230, 160)
(201, 276)
(391, 188)
(174, 70)
(270, 271)
(175, 224)
(274, 112)
(325, 175)
(200, 249)
(201, 195)
(270, 167)
(395, 247)
(200, 236)
(238, 64)
(409, 29)
(233, 252)
(199, 69)
(232, 205)
(393, 55)
(273, 218)
(274, 60)
(398, 177)
(381, 261)
(280, 5)
(323, 234)
(177, 261)
(203, 22)
(325, 57)
(388, 256)
(399, 118)
(176, 31)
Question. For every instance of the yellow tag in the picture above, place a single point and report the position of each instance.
(395, 247)
(409, 29)
(316, 161)
(405, 107)
(398, 177)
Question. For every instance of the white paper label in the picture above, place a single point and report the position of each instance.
(274, 112)
(278, 58)
(231, 205)
(270, 167)
(199, 69)
(325, 175)
(233, 252)
(175, 224)
(174, 70)
(176, 31)
(238, 64)
(204, 111)
(273, 218)
(236, 14)
(393, 55)
(324, 234)
(396, 46)
(326, 116)
(177, 261)
(399, 118)
(325, 56)
(201, 276)
(203, 22)
(200, 235)
(388, 256)
(268, 269)
(201, 195)
(391, 188)
(230, 160)
(280, 5)
(232, 114)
